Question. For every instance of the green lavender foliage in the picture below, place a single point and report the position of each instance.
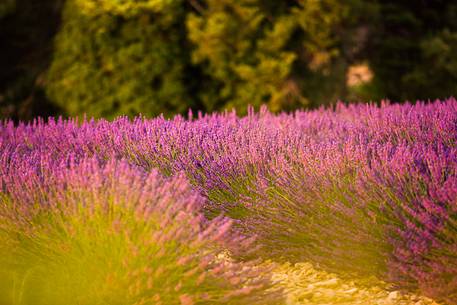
(116, 235)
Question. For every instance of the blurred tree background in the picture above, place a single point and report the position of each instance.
(114, 57)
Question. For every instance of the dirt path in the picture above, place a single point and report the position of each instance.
(305, 285)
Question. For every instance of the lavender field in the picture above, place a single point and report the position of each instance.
(204, 209)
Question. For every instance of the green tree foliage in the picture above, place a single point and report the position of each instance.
(6, 6)
(114, 57)
(27, 29)
(437, 74)
(414, 49)
(120, 57)
(261, 51)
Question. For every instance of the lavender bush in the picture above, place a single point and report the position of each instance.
(358, 189)
(114, 234)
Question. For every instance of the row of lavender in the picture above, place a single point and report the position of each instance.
(95, 233)
(358, 190)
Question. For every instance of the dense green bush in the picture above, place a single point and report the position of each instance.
(166, 56)
(413, 49)
(115, 58)
(27, 29)
(261, 52)
(6, 7)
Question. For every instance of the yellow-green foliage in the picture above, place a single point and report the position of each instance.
(263, 51)
(439, 56)
(124, 57)
(115, 57)
(6, 6)
(119, 57)
(413, 49)
(114, 235)
(124, 7)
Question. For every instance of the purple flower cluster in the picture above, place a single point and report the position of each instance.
(359, 189)
(106, 232)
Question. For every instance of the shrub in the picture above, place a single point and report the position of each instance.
(114, 234)
(119, 57)
(358, 189)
